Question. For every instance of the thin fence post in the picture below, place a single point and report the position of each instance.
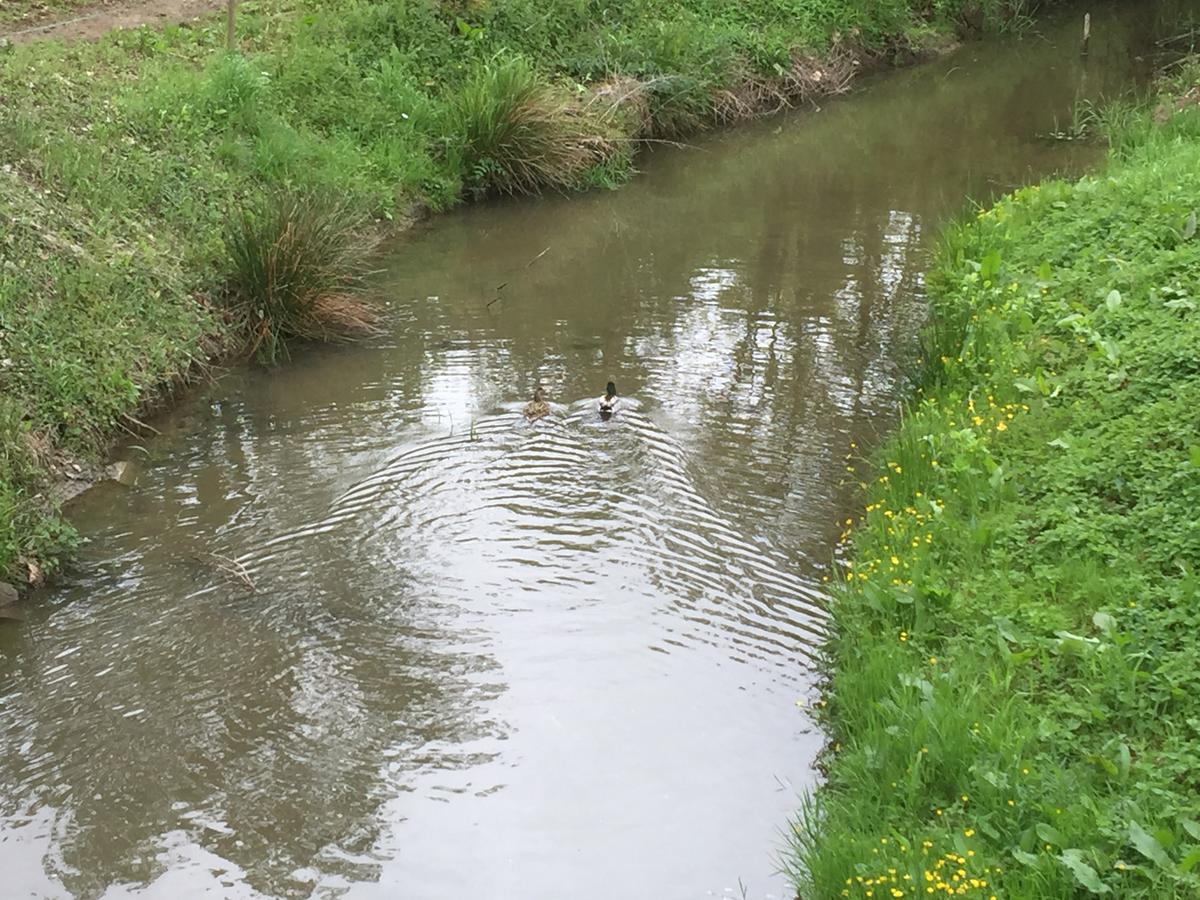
(230, 29)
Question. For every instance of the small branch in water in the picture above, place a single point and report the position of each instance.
(1189, 36)
(501, 287)
(679, 145)
(497, 298)
(230, 567)
(140, 424)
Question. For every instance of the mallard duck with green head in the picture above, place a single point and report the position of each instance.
(608, 403)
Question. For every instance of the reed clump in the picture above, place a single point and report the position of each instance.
(520, 134)
(298, 266)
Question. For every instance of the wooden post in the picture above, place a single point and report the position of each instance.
(1087, 31)
(230, 30)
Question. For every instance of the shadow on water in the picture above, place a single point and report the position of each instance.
(484, 658)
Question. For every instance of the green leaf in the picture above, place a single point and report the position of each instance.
(1049, 834)
(1104, 622)
(1124, 760)
(1147, 845)
(960, 843)
(1189, 227)
(1191, 827)
(989, 266)
(1084, 874)
(920, 684)
(1189, 861)
(1113, 300)
(1025, 859)
(1073, 644)
(1104, 763)
(1194, 453)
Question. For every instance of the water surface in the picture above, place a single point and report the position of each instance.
(360, 631)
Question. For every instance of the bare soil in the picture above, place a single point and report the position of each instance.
(95, 20)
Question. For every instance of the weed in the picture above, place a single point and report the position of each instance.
(519, 133)
(298, 264)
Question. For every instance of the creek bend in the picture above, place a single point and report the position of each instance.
(489, 659)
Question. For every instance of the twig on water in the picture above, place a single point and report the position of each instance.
(230, 567)
(502, 286)
(140, 424)
(1190, 35)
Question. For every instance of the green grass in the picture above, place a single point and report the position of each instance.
(1014, 701)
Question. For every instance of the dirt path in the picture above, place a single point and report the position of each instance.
(91, 22)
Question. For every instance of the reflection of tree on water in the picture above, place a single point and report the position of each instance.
(268, 727)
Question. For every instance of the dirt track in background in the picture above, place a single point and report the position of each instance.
(95, 21)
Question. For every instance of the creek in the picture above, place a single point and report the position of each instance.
(482, 658)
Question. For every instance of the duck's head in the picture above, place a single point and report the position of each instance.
(610, 390)
(539, 394)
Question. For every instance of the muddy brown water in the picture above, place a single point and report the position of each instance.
(493, 660)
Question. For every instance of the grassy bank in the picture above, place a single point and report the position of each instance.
(122, 163)
(1015, 694)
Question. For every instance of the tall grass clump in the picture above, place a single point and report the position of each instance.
(298, 266)
(234, 85)
(518, 134)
